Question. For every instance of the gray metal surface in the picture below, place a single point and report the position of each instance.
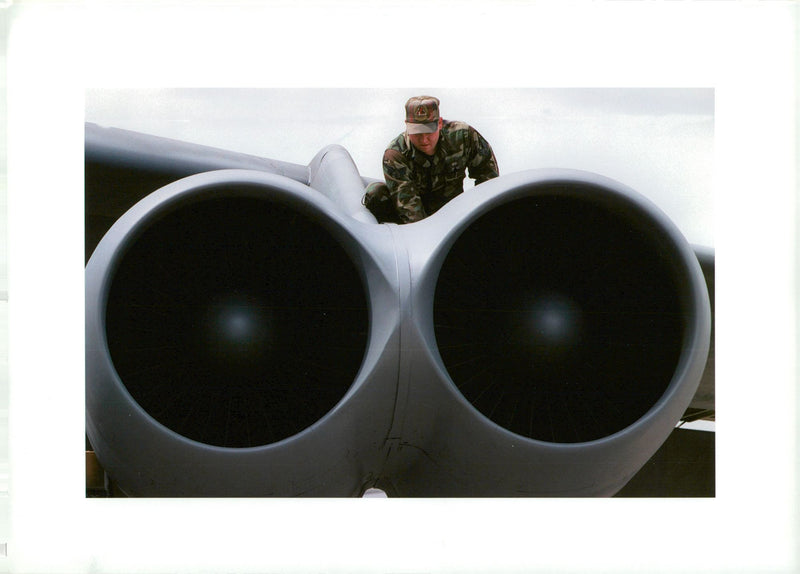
(574, 302)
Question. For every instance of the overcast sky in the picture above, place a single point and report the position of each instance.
(660, 142)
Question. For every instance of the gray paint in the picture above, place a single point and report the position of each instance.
(402, 424)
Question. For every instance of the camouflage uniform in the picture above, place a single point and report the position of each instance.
(417, 184)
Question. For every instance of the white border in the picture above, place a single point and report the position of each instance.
(744, 50)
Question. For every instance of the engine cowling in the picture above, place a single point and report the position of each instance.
(247, 335)
(230, 341)
(557, 330)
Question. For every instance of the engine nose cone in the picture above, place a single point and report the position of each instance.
(554, 327)
(238, 330)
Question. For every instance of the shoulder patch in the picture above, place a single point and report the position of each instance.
(392, 155)
(455, 125)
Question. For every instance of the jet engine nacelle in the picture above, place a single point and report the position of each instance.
(247, 335)
(556, 328)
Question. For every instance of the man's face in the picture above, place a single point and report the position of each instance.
(426, 143)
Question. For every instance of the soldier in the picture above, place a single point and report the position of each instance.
(424, 167)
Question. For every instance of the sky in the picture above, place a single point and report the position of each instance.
(493, 64)
(660, 142)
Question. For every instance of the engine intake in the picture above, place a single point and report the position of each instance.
(250, 316)
(560, 316)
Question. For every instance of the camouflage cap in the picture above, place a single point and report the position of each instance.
(422, 115)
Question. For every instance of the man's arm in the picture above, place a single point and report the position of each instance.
(482, 165)
(403, 190)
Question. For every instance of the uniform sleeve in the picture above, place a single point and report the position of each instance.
(482, 164)
(403, 190)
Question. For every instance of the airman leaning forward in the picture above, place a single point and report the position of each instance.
(424, 167)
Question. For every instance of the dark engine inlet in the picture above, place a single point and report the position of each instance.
(560, 315)
(236, 321)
